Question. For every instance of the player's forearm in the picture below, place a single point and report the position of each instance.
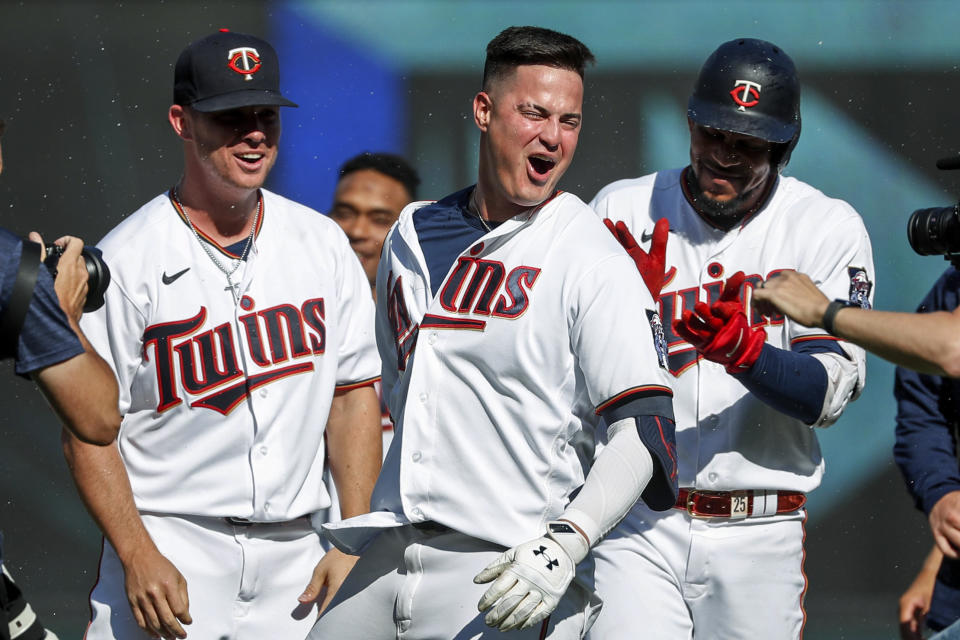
(104, 487)
(614, 484)
(354, 446)
(83, 393)
(792, 383)
(925, 342)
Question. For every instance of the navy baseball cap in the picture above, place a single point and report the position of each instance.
(227, 70)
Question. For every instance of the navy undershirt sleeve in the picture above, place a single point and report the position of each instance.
(792, 382)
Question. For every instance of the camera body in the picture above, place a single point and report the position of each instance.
(97, 271)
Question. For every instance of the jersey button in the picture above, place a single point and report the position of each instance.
(423, 397)
(433, 338)
(263, 393)
(416, 456)
(266, 508)
(712, 477)
(263, 451)
(416, 511)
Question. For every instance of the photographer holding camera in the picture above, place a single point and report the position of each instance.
(39, 330)
(926, 345)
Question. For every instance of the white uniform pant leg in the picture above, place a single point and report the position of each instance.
(638, 576)
(412, 584)
(748, 576)
(678, 577)
(242, 581)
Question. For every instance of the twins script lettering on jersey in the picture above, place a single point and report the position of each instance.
(682, 356)
(207, 362)
(475, 287)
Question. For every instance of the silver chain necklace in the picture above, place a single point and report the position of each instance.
(234, 288)
(475, 210)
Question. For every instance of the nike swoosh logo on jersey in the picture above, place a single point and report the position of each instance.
(646, 237)
(169, 279)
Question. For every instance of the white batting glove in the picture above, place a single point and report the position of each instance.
(531, 578)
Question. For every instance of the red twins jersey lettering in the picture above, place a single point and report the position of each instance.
(726, 437)
(206, 382)
(496, 380)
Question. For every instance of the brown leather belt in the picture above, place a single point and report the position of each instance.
(738, 504)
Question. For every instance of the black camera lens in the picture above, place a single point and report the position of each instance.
(935, 231)
(98, 274)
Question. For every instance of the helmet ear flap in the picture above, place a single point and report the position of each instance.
(781, 152)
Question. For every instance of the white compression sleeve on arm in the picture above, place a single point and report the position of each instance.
(614, 484)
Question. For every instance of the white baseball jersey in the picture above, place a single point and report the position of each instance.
(726, 437)
(536, 327)
(225, 405)
(699, 577)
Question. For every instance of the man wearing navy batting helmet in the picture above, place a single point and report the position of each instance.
(727, 562)
(240, 328)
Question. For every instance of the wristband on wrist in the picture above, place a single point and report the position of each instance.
(831, 313)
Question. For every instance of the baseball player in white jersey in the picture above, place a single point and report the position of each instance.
(239, 325)
(503, 344)
(728, 561)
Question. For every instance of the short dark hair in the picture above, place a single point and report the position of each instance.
(516, 46)
(389, 164)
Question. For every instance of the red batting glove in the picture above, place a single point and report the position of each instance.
(721, 332)
(650, 265)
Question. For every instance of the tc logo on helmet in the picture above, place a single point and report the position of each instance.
(746, 94)
(244, 60)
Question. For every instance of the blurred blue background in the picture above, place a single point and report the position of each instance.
(84, 89)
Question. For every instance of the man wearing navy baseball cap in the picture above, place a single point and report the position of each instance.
(240, 328)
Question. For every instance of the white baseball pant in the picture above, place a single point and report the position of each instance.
(667, 576)
(417, 584)
(242, 580)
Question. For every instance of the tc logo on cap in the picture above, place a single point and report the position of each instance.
(244, 60)
(747, 96)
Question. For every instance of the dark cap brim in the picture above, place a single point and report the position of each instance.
(246, 98)
(748, 123)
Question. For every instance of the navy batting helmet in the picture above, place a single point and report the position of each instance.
(751, 87)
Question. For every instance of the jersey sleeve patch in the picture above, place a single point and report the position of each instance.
(860, 287)
(659, 338)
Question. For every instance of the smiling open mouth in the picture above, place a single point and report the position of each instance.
(541, 166)
(251, 158)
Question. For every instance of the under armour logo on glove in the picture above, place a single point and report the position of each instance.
(551, 562)
(525, 589)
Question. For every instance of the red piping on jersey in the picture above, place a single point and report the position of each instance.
(430, 321)
(646, 390)
(349, 386)
(544, 627)
(210, 240)
(818, 337)
(806, 583)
